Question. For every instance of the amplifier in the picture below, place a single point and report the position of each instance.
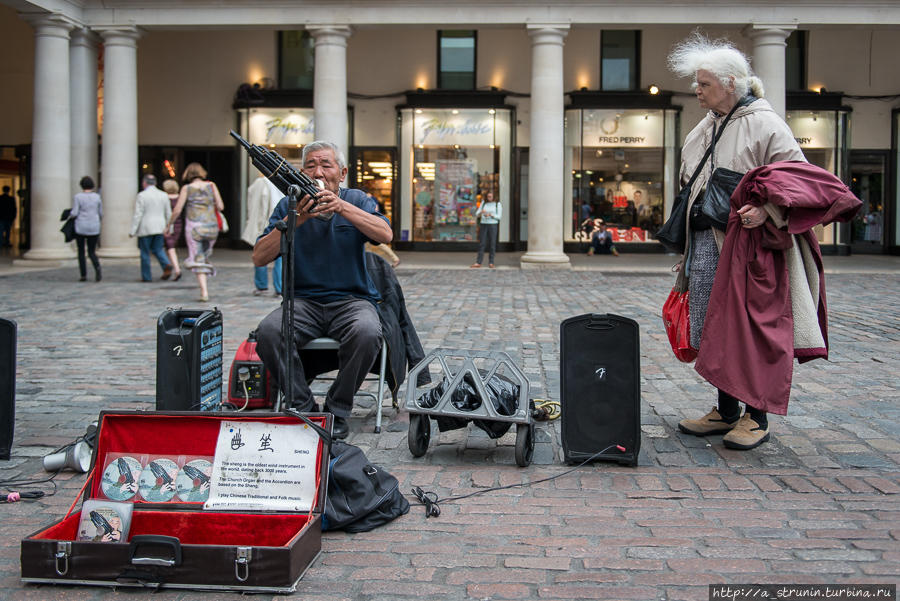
(189, 360)
(600, 388)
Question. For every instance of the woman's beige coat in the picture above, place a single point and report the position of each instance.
(754, 136)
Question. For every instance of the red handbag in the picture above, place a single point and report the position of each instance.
(678, 325)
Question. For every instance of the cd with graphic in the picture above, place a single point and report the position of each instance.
(120, 479)
(103, 524)
(157, 483)
(192, 482)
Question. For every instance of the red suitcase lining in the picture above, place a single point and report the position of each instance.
(184, 435)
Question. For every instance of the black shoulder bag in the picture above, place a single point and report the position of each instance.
(673, 234)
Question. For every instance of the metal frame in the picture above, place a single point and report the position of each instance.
(444, 407)
(329, 344)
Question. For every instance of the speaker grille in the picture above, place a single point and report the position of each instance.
(600, 370)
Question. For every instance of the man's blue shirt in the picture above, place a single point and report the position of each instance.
(329, 256)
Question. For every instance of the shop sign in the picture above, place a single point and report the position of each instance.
(282, 126)
(812, 129)
(442, 128)
(631, 128)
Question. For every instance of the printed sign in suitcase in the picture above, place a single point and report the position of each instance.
(218, 501)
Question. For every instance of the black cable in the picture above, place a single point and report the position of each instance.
(27, 495)
(431, 500)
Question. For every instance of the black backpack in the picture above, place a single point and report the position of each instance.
(360, 496)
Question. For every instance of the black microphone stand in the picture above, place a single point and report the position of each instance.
(287, 295)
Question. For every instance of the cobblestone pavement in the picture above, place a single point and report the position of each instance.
(819, 503)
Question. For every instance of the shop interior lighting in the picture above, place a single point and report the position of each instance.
(654, 90)
(455, 111)
(145, 166)
(492, 112)
(418, 111)
(169, 168)
(427, 170)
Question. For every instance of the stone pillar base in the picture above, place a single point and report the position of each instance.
(540, 260)
(44, 263)
(48, 254)
(121, 252)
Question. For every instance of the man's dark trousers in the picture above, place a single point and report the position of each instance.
(353, 322)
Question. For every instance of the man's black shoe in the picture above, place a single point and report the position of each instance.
(340, 428)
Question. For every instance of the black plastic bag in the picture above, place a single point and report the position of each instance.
(503, 394)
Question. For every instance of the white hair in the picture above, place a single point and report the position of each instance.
(720, 58)
(323, 145)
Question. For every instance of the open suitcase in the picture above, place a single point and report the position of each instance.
(250, 539)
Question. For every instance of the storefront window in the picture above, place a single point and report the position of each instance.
(618, 169)
(820, 135)
(455, 157)
(285, 131)
(375, 175)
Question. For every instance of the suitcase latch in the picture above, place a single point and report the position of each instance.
(242, 563)
(63, 550)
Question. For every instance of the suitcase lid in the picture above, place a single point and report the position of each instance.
(259, 455)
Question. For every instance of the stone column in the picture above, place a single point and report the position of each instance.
(330, 86)
(83, 87)
(51, 189)
(545, 169)
(769, 43)
(119, 153)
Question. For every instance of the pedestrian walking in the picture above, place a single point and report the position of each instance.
(199, 199)
(87, 209)
(151, 215)
(262, 198)
(8, 212)
(172, 235)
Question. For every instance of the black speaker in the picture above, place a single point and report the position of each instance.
(600, 367)
(189, 360)
(7, 385)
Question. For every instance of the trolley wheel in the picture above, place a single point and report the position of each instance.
(524, 444)
(419, 434)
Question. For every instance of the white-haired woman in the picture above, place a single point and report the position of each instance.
(753, 136)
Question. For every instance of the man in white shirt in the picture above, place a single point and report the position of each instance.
(262, 198)
(152, 210)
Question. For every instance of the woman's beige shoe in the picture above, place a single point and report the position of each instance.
(711, 423)
(746, 434)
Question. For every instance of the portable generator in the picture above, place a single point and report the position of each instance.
(249, 383)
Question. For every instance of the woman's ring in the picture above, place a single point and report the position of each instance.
(746, 221)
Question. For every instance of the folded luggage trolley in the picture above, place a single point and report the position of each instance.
(480, 367)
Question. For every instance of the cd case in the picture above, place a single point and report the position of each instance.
(152, 478)
(104, 521)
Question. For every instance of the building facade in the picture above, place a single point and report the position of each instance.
(565, 112)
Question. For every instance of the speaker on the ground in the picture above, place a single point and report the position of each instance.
(600, 371)
(7, 385)
(189, 360)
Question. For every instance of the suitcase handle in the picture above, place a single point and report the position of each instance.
(155, 540)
